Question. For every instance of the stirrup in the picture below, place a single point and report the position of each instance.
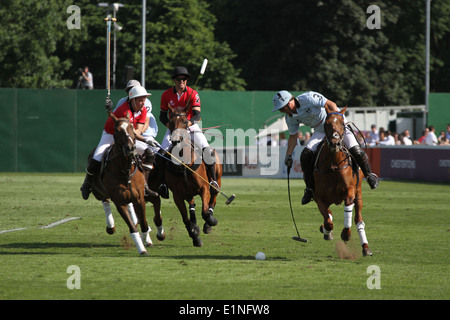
(214, 187)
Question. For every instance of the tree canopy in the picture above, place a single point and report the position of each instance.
(324, 46)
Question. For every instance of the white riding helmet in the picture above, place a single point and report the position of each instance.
(280, 99)
(138, 91)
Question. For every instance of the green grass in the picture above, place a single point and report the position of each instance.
(407, 226)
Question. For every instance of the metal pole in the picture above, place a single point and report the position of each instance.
(144, 10)
(114, 56)
(427, 58)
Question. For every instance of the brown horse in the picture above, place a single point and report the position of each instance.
(123, 182)
(337, 180)
(186, 177)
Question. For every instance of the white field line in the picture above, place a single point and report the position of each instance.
(51, 225)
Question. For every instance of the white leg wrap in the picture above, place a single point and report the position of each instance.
(108, 214)
(348, 214)
(362, 232)
(132, 214)
(138, 242)
(146, 237)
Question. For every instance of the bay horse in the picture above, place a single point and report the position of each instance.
(187, 177)
(338, 179)
(123, 182)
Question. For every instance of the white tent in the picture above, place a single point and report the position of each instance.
(276, 127)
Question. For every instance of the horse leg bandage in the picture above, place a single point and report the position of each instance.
(138, 242)
(132, 213)
(348, 213)
(362, 233)
(108, 214)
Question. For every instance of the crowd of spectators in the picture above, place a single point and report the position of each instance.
(384, 137)
(374, 137)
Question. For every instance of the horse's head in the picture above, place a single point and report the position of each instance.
(178, 124)
(124, 137)
(334, 130)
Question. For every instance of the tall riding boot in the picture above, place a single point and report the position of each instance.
(307, 163)
(363, 162)
(209, 158)
(92, 169)
(148, 158)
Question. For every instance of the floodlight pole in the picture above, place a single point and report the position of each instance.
(144, 11)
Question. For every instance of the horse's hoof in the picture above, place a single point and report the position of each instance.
(110, 230)
(328, 236)
(143, 254)
(346, 234)
(161, 237)
(197, 242)
(207, 229)
(366, 251)
(149, 245)
(210, 219)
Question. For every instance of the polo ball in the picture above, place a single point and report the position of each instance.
(260, 256)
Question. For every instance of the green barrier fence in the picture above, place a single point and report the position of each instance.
(55, 130)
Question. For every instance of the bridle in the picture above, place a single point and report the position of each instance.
(335, 137)
(126, 146)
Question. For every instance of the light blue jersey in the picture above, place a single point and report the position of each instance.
(311, 112)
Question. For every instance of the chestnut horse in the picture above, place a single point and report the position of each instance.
(186, 177)
(338, 179)
(123, 182)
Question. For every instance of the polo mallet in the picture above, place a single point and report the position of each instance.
(202, 72)
(229, 199)
(297, 238)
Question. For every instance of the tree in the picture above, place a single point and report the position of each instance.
(30, 35)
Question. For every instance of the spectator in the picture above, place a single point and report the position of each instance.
(397, 139)
(87, 80)
(447, 134)
(386, 139)
(406, 139)
(283, 140)
(373, 137)
(421, 140)
(300, 138)
(431, 138)
(442, 139)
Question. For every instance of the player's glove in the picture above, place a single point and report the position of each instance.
(288, 161)
(151, 141)
(108, 104)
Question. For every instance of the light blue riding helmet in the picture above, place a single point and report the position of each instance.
(280, 99)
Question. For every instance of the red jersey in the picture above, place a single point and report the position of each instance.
(170, 97)
(121, 112)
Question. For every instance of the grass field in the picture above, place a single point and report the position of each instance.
(407, 226)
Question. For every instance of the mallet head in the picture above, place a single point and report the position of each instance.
(230, 199)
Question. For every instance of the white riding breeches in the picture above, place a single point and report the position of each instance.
(108, 139)
(196, 135)
(317, 136)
